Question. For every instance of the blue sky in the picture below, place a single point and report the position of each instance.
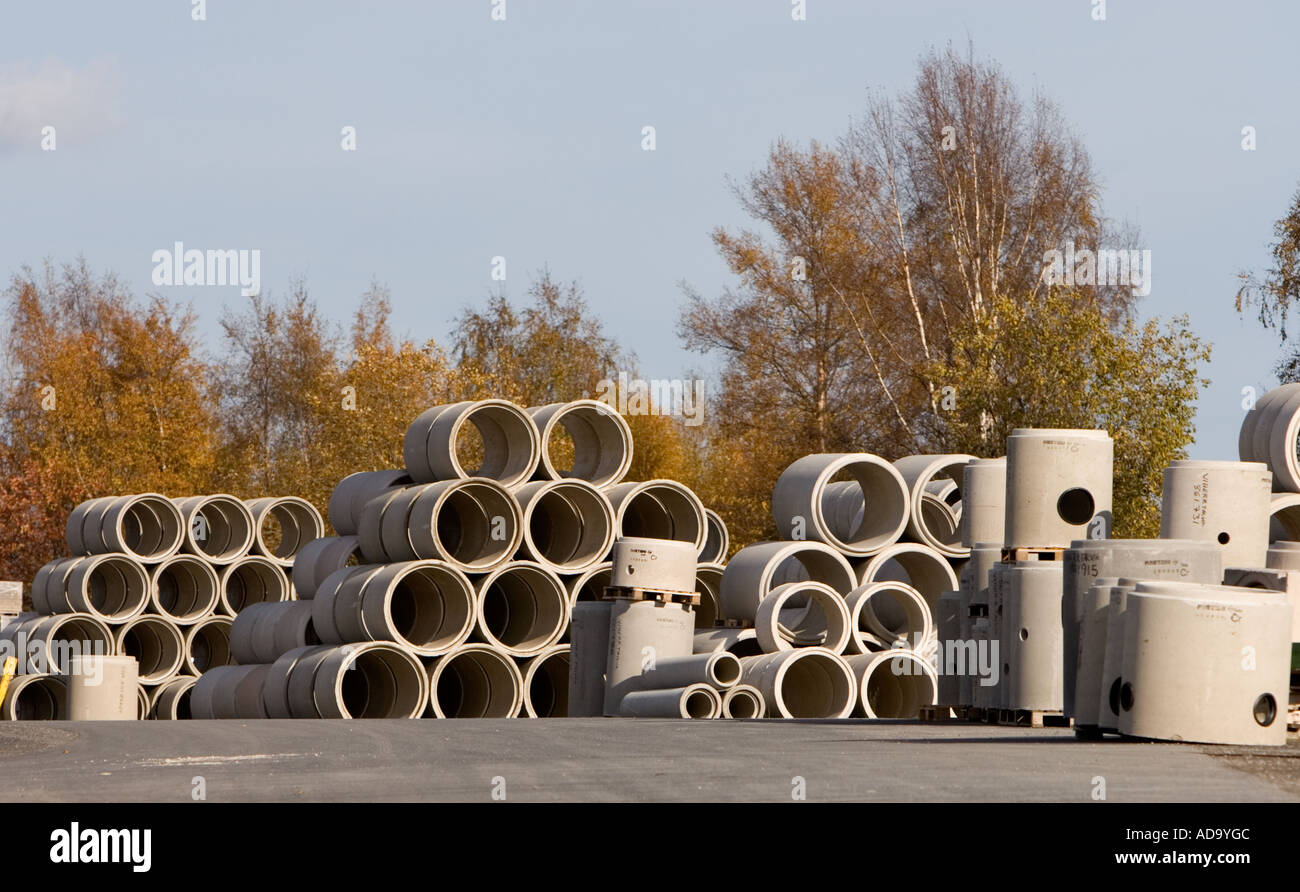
(522, 139)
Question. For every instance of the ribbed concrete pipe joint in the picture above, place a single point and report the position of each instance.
(567, 525)
(218, 528)
(262, 632)
(321, 557)
(282, 526)
(599, 440)
(53, 576)
(427, 607)
(112, 587)
(697, 701)
(802, 614)
(719, 669)
(858, 515)
(893, 684)
(336, 608)
(708, 583)
(36, 697)
(275, 687)
(523, 608)
(929, 527)
(375, 680)
(805, 683)
(920, 566)
(743, 701)
(207, 644)
(511, 444)
(1059, 486)
(659, 509)
(236, 692)
(475, 681)
(252, 580)
(475, 524)
(717, 540)
(886, 614)
(546, 683)
(757, 569)
(147, 527)
(156, 644)
(354, 490)
(663, 565)
(184, 589)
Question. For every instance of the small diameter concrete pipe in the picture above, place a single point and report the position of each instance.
(920, 566)
(599, 448)
(743, 701)
(474, 524)
(207, 644)
(475, 681)
(156, 643)
(802, 614)
(45, 643)
(523, 608)
(36, 698)
(708, 583)
(282, 526)
(1033, 636)
(1094, 610)
(171, 699)
(546, 683)
(659, 565)
(886, 614)
(858, 517)
(1058, 486)
(375, 680)
(643, 632)
(354, 490)
(738, 642)
(588, 651)
(218, 528)
(146, 527)
(919, 471)
(427, 607)
(1269, 432)
(1225, 501)
(1112, 664)
(590, 584)
(983, 502)
(113, 587)
(321, 557)
(511, 444)
(102, 688)
(697, 701)
(252, 580)
(717, 541)
(805, 683)
(719, 670)
(261, 632)
(1284, 517)
(1281, 556)
(757, 569)
(568, 525)
(185, 589)
(893, 684)
(659, 509)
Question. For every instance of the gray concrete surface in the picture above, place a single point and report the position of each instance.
(616, 759)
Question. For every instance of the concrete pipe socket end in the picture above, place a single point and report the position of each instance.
(583, 440)
(492, 438)
(805, 683)
(113, 587)
(936, 496)
(473, 524)
(523, 608)
(757, 569)
(156, 644)
(857, 503)
(476, 681)
(252, 580)
(207, 644)
(708, 583)
(743, 702)
(590, 585)
(376, 680)
(546, 683)
(146, 527)
(894, 684)
(218, 528)
(171, 699)
(697, 701)
(717, 540)
(354, 490)
(282, 526)
(568, 525)
(921, 567)
(802, 614)
(35, 698)
(428, 607)
(659, 509)
(887, 614)
(185, 589)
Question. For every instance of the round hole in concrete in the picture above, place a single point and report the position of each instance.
(1265, 710)
(1126, 696)
(1075, 506)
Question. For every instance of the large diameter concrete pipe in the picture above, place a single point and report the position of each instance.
(53, 576)
(546, 683)
(738, 642)
(336, 608)
(719, 670)
(252, 580)
(919, 472)
(511, 444)
(262, 632)
(757, 569)
(36, 697)
(697, 701)
(321, 557)
(427, 607)
(1251, 426)
(1185, 677)
(46, 644)
(1094, 614)
(1226, 502)
(275, 687)
(237, 692)
(918, 565)
(375, 680)
(523, 608)
(207, 644)
(157, 644)
(1032, 622)
(599, 447)
(805, 683)
(1284, 517)
(803, 614)
(415, 448)
(590, 584)
(141, 702)
(983, 502)
(113, 587)
(1269, 432)
(355, 490)
(147, 527)
(743, 701)
(568, 525)
(660, 565)
(474, 524)
(475, 681)
(77, 535)
(1112, 664)
(184, 589)
(858, 516)
(300, 689)
(642, 633)
(659, 509)
(171, 699)
(103, 688)
(887, 614)
(588, 651)
(1058, 487)
(218, 528)
(282, 526)
(708, 583)
(717, 541)
(893, 684)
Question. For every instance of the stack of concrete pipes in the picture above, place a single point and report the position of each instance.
(154, 580)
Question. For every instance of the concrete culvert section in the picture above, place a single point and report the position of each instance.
(719, 670)
(113, 587)
(426, 606)
(599, 447)
(218, 528)
(743, 702)
(321, 557)
(802, 614)
(893, 685)
(171, 699)
(805, 683)
(147, 527)
(282, 526)
(523, 608)
(51, 641)
(738, 642)
(252, 580)
(354, 490)
(1284, 518)
(185, 589)
(935, 512)
(473, 524)
(207, 644)
(376, 680)
(854, 502)
(35, 698)
(50, 586)
(568, 525)
(156, 644)
(923, 568)
(757, 569)
(510, 442)
(717, 541)
(590, 585)
(659, 509)
(882, 614)
(708, 583)
(475, 681)
(697, 701)
(546, 683)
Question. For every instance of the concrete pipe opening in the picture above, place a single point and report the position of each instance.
(473, 524)
(185, 589)
(488, 438)
(935, 485)
(171, 699)
(147, 527)
(708, 583)
(743, 702)
(33, 698)
(894, 685)
(854, 502)
(218, 528)
(282, 526)
(696, 701)
(252, 580)
(737, 642)
(584, 440)
(523, 608)
(156, 644)
(376, 680)
(426, 606)
(474, 682)
(546, 683)
(207, 644)
(1284, 518)
(718, 669)
(757, 569)
(113, 587)
(805, 683)
(591, 584)
(887, 613)
(567, 524)
(354, 490)
(65, 636)
(820, 619)
(319, 558)
(717, 540)
(659, 509)
(920, 566)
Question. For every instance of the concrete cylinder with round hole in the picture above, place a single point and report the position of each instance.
(147, 527)
(113, 587)
(719, 670)
(568, 525)
(282, 526)
(511, 444)
(207, 644)
(523, 608)
(857, 517)
(659, 565)
(590, 584)
(934, 526)
(588, 651)
(893, 684)
(475, 681)
(601, 442)
(415, 450)
(743, 701)
(46, 644)
(355, 490)
(83, 540)
(659, 509)
(1094, 614)
(184, 589)
(252, 580)
(1032, 636)
(805, 683)
(717, 540)
(802, 614)
(1058, 486)
(886, 614)
(708, 584)
(384, 534)
(920, 566)
(1112, 664)
(102, 688)
(475, 524)
(1223, 501)
(36, 697)
(218, 528)
(983, 502)
(427, 607)
(757, 569)
(319, 558)
(157, 644)
(740, 642)
(374, 680)
(171, 699)
(641, 633)
(546, 683)
(697, 701)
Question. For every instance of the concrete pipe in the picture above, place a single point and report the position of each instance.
(719, 670)
(743, 701)
(171, 699)
(81, 539)
(147, 527)
(1284, 517)
(1112, 664)
(475, 525)
(660, 565)
(919, 566)
(523, 608)
(184, 589)
(385, 534)
(697, 701)
(588, 650)
(261, 632)
(141, 703)
(893, 685)
(113, 587)
(511, 444)
(205, 687)
(157, 644)
(354, 490)
(103, 688)
(46, 644)
(1033, 636)
(207, 644)
(708, 583)
(568, 525)
(1227, 502)
(805, 683)
(476, 681)
(887, 614)
(252, 580)
(282, 526)
(948, 629)
(375, 680)
(1281, 556)
(983, 502)
(35, 698)
(590, 585)
(1275, 444)
(974, 579)
(1058, 487)
(53, 577)
(859, 516)
(1250, 425)
(300, 690)
(659, 509)
(1183, 675)
(546, 683)
(238, 692)
(275, 687)
(599, 448)
(321, 557)
(757, 569)
(427, 607)
(642, 632)
(802, 614)
(1094, 610)
(931, 527)
(218, 528)
(336, 608)
(738, 642)
(415, 448)
(717, 541)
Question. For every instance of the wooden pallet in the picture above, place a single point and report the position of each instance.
(733, 624)
(1034, 718)
(1012, 555)
(943, 713)
(622, 593)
